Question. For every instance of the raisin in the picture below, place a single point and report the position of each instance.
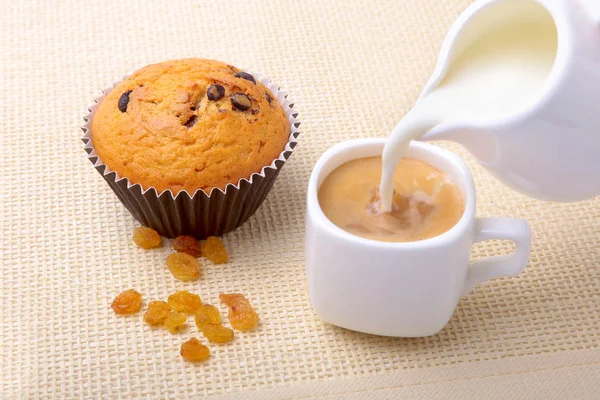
(176, 322)
(241, 102)
(184, 301)
(215, 92)
(207, 315)
(187, 244)
(124, 101)
(183, 266)
(268, 98)
(218, 333)
(127, 302)
(214, 250)
(246, 76)
(241, 314)
(146, 238)
(157, 312)
(194, 351)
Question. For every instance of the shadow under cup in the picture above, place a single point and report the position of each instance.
(403, 289)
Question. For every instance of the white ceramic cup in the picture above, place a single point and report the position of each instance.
(401, 289)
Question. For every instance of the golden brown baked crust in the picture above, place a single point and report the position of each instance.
(159, 128)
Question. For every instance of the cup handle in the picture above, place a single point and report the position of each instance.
(513, 229)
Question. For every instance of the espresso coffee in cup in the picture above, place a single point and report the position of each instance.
(425, 202)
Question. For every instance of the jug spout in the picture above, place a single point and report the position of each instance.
(480, 143)
(445, 132)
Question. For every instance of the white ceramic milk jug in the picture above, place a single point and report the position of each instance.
(549, 149)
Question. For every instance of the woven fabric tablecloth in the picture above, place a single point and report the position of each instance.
(353, 68)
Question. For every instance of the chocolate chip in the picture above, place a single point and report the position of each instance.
(241, 102)
(268, 97)
(246, 76)
(215, 92)
(124, 101)
(191, 122)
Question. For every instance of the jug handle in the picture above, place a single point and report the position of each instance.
(592, 7)
(514, 229)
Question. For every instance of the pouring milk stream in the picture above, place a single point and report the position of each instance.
(507, 63)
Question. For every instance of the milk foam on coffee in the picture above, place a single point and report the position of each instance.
(425, 204)
(500, 73)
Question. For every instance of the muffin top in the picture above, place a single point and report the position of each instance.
(189, 124)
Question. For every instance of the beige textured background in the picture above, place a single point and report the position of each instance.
(353, 68)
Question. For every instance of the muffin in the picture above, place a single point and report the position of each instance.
(191, 146)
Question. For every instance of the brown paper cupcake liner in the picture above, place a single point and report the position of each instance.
(198, 214)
